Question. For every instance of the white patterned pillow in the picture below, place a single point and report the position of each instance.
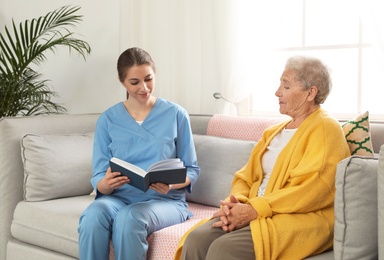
(56, 166)
(358, 135)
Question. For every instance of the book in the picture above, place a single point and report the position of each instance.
(168, 171)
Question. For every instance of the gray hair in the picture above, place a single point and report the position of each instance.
(311, 72)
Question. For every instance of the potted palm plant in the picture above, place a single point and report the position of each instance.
(22, 91)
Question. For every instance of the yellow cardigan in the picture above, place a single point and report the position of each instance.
(296, 214)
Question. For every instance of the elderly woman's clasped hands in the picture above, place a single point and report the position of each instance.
(234, 215)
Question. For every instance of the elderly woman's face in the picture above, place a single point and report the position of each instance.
(293, 98)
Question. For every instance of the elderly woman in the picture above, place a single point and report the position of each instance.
(281, 204)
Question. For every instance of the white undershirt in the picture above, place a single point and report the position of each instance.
(270, 156)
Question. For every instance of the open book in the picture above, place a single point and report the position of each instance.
(169, 171)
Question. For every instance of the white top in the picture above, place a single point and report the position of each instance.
(270, 156)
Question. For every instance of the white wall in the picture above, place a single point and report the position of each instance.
(84, 86)
(92, 86)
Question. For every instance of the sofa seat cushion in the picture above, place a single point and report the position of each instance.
(328, 255)
(50, 224)
(163, 243)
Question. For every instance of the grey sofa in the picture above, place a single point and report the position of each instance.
(39, 215)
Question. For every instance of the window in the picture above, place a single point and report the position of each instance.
(334, 31)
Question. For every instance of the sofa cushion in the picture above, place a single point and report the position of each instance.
(53, 225)
(56, 166)
(218, 159)
(163, 243)
(50, 224)
(358, 135)
(356, 209)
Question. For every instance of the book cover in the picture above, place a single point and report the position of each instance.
(169, 171)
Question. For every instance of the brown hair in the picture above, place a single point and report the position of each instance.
(133, 57)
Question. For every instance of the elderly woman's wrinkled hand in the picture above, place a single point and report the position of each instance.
(234, 215)
(223, 213)
(222, 216)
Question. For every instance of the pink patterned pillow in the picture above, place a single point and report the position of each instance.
(240, 127)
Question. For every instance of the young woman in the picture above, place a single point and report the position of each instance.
(141, 130)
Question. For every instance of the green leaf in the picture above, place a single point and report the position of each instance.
(21, 90)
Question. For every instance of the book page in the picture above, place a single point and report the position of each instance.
(167, 164)
(129, 166)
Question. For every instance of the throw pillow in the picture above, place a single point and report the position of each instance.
(56, 166)
(356, 210)
(358, 135)
(218, 158)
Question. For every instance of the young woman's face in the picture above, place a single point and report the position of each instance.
(293, 98)
(140, 82)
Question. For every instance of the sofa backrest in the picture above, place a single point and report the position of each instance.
(377, 135)
(241, 127)
(218, 125)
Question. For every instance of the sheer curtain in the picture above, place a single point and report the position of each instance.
(198, 47)
(240, 37)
